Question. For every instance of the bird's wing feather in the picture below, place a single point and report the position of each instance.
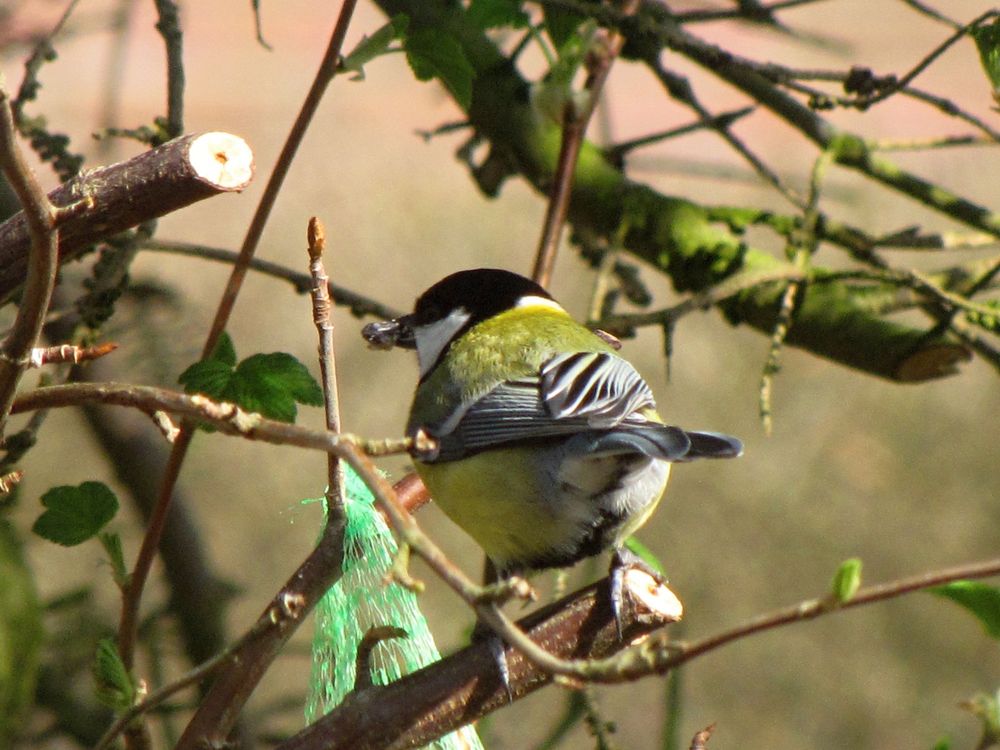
(712, 445)
(599, 386)
(577, 393)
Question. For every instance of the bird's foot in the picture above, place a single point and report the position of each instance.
(483, 633)
(623, 560)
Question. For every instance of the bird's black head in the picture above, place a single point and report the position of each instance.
(480, 292)
(449, 308)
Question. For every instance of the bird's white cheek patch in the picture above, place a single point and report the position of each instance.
(434, 337)
(532, 300)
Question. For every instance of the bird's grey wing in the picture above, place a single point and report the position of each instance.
(576, 393)
(712, 445)
(608, 392)
(598, 386)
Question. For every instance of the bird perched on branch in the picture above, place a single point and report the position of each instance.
(547, 447)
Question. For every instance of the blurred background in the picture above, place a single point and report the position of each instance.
(905, 477)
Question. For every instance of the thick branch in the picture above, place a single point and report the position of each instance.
(674, 234)
(122, 195)
(465, 686)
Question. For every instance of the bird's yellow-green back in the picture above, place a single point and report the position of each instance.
(512, 344)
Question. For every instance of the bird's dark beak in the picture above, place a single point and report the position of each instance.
(390, 333)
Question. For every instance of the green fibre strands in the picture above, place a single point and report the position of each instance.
(362, 599)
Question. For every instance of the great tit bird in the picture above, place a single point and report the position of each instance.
(547, 444)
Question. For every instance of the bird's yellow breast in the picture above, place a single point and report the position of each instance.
(512, 502)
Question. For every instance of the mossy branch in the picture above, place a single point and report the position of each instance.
(675, 235)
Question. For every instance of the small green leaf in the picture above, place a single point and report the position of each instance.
(210, 377)
(981, 600)
(114, 684)
(270, 384)
(942, 744)
(374, 46)
(645, 554)
(434, 53)
(112, 544)
(987, 38)
(847, 580)
(224, 350)
(75, 514)
(495, 14)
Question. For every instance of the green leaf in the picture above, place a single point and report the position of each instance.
(987, 38)
(942, 744)
(645, 554)
(374, 46)
(75, 514)
(495, 14)
(112, 544)
(224, 350)
(270, 384)
(847, 580)
(114, 684)
(434, 53)
(981, 600)
(210, 377)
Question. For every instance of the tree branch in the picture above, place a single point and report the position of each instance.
(466, 686)
(359, 304)
(39, 218)
(227, 418)
(327, 69)
(676, 235)
(122, 195)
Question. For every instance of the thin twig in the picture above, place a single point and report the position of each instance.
(112, 88)
(154, 530)
(226, 418)
(695, 16)
(723, 119)
(864, 101)
(169, 26)
(321, 307)
(50, 355)
(10, 480)
(154, 699)
(802, 244)
(925, 144)
(43, 260)
(809, 610)
(953, 110)
(932, 13)
(680, 88)
(575, 120)
(622, 325)
(359, 304)
(50, 147)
